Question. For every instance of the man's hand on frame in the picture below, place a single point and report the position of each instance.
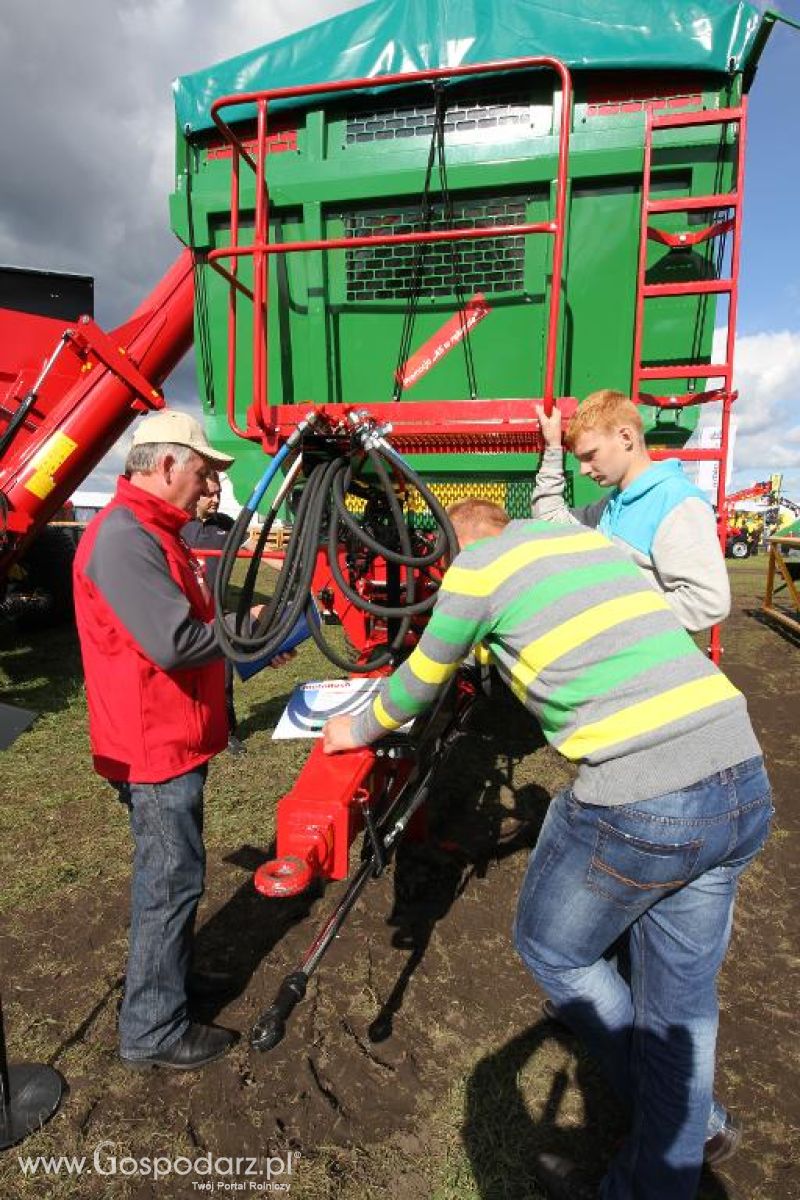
(337, 735)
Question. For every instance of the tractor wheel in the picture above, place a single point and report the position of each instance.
(740, 549)
(43, 597)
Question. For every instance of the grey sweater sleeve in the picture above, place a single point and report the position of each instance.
(547, 501)
(128, 567)
(689, 566)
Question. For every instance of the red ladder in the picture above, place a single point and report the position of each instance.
(728, 207)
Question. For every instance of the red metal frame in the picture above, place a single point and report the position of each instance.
(755, 492)
(84, 406)
(321, 815)
(732, 201)
(261, 249)
(319, 818)
(417, 427)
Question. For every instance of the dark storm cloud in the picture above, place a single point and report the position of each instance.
(88, 127)
(88, 135)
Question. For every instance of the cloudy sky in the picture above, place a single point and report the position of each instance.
(88, 141)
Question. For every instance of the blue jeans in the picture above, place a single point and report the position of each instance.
(168, 873)
(666, 870)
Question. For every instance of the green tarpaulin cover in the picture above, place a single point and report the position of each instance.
(389, 36)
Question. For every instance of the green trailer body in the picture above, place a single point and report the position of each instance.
(355, 164)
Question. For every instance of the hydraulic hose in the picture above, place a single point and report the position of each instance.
(237, 534)
(321, 513)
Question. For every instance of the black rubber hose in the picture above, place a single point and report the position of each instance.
(437, 510)
(228, 558)
(291, 591)
(385, 658)
(294, 584)
(410, 609)
(408, 560)
(324, 498)
(388, 656)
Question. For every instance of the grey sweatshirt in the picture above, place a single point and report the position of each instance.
(685, 562)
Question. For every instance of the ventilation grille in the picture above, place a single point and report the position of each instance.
(416, 120)
(484, 264)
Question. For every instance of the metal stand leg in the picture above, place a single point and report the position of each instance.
(30, 1094)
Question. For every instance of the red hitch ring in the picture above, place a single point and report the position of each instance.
(283, 877)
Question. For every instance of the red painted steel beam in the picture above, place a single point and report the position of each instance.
(486, 423)
(710, 116)
(79, 416)
(694, 203)
(677, 241)
(685, 455)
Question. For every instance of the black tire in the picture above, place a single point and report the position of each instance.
(43, 599)
(739, 548)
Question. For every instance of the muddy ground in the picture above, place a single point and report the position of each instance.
(419, 1065)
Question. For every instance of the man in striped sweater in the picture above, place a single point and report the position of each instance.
(670, 803)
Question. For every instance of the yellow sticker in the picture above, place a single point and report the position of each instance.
(40, 484)
(46, 462)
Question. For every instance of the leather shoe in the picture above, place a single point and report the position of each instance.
(198, 1045)
(723, 1145)
(562, 1179)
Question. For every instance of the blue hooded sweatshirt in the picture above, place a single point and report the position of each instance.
(635, 514)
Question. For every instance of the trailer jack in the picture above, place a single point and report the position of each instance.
(382, 834)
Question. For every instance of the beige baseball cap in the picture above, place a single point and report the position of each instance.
(180, 429)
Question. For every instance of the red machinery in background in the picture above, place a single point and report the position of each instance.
(758, 491)
(68, 390)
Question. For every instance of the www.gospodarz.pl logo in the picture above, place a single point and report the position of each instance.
(207, 1172)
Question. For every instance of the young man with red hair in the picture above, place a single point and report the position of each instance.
(653, 511)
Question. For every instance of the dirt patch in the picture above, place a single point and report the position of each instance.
(418, 1064)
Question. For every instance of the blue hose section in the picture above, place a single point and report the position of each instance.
(267, 478)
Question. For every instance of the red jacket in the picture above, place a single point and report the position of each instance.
(155, 679)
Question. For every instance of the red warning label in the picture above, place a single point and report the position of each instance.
(443, 341)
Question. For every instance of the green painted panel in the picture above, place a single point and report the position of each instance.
(336, 319)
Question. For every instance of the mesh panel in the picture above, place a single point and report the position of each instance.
(514, 497)
(486, 265)
(518, 500)
(416, 120)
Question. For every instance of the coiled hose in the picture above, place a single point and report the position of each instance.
(321, 512)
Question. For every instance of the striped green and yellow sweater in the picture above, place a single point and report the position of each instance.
(591, 649)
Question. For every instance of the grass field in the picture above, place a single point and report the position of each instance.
(471, 1081)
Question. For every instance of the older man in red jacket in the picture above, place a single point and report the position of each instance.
(155, 685)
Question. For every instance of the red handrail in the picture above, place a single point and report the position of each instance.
(261, 249)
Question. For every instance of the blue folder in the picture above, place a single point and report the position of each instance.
(299, 633)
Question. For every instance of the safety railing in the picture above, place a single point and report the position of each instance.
(226, 259)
